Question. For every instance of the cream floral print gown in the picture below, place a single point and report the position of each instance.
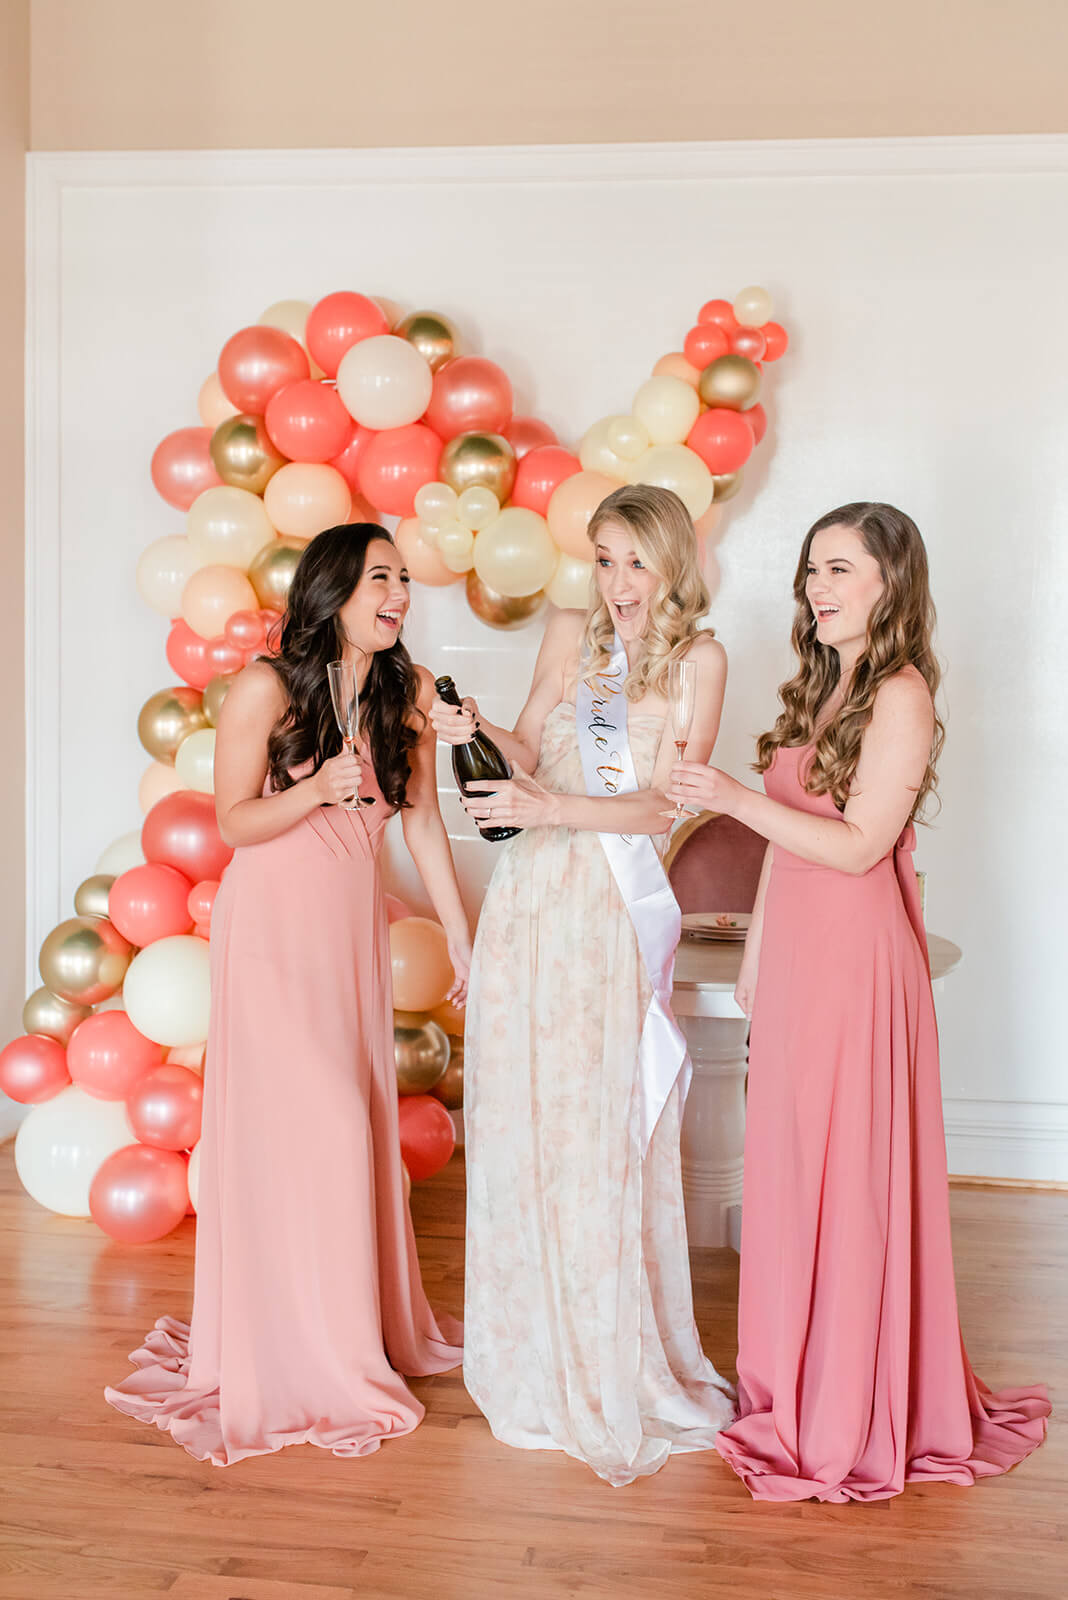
(580, 1333)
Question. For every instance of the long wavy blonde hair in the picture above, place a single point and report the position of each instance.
(662, 533)
(899, 635)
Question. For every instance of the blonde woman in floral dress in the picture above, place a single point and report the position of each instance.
(580, 1333)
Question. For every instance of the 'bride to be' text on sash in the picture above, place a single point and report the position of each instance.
(608, 768)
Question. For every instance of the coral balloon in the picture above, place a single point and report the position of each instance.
(422, 971)
(347, 461)
(272, 572)
(168, 991)
(139, 1194)
(213, 594)
(753, 306)
(396, 464)
(540, 472)
(150, 902)
(675, 365)
(306, 497)
(674, 467)
(168, 717)
(667, 408)
(749, 342)
(107, 1057)
(723, 439)
(500, 610)
(719, 313)
(243, 454)
(421, 1052)
(187, 656)
(45, 1012)
(182, 466)
(201, 901)
(165, 1107)
(212, 404)
(384, 382)
(704, 343)
(338, 322)
(571, 507)
(195, 763)
(423, 561)
(181, 832)
(470, 395)
(307, 422)
(256, 362)
(433, 335)
(84, 960)
(516, 555)
(228, 527)
(776, 340)
(163, 571)
(34, 1068)
(91, 900)
(427, 1136)
(157, 780)
(62, 1144)
(525, 434)
(569, 587)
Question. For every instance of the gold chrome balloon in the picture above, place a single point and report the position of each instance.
(45, 1012)
(91, 897)
(168, 717)
(272, 572)
(449, 1088)
(215, 694)
(243, 454)
(725, 486)
(422, 1052)
(433, 335)
(84, 960)
(479, 458)
(500, 610)
(730, 381)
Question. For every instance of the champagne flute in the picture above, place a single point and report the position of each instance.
(682, 694)
(346, 701)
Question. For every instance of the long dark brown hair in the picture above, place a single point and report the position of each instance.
(310, 637)
(899, 635)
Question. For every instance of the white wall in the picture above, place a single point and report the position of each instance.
(921, 283)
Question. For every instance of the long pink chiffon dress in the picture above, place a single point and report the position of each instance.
(852, 1376)
(308, 1300)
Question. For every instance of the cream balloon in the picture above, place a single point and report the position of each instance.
(598, 452)
(753, 306)
(212, 403)
(668, 408)
(457, 547)
(291, 316)
(227, 527)
(193, 1176)
(383, 382)
(627, 436)
(516, 555)
(435, 504)
(569, 586)
(163, 571)
(213, 594)
(114, 1002)
(62, 1145)
(195, 761)
(674, 467)
(305, 497)
(477, 507)
(121, 854)
(168, 990)
(157, 780)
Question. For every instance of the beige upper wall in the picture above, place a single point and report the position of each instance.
(126, 74)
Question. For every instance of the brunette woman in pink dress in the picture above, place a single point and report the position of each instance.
(852, 1376)
(308, 1303)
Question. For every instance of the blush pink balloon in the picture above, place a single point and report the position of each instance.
(749, 342)
(396, 910)
(258, 361)
(541, 471)
(139, 1194)
(224, 657)
(307, 421)
(338, 322)
(525, 434)
(33, 1068)
(165, 1108)
(347, 461)
(470, 395)
(396, 464)
(108, 1058)
(181, 832)
(201, 901)
(182, 467)
(187, 653)
(150, 902)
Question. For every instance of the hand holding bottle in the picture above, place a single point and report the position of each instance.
(454, 724)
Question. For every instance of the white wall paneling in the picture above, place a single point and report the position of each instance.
(920, 281)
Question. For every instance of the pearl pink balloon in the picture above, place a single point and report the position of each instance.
(139, 1194)
(304, 497)
(182, 467)
(571, 508)
(396, 464)
(225, 658)
(157, 780)
(338, 322)
(427, 1135)
(470, 395)
(540, 472)
(245, 629)
(213, 594)
(525, 434)
(108, 1057)
(201, 900)
(307, 421)
(33, 1068)
(166, 1106)
(150, 902)
(181, 831)
(422, 559)
(255, 363)
(749, 342)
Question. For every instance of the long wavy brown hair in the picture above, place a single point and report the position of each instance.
(899, 635)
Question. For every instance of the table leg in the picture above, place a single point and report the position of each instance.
(713, 1128)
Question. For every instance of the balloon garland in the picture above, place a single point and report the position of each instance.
(345, 410)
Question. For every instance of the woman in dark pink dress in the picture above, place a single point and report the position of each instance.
(852, 1376)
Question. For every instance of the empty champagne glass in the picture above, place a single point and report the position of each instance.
(346, 701)
(682, 694)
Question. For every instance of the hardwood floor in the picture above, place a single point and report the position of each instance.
(93, 1504)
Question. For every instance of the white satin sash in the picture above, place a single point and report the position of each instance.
(608, 768)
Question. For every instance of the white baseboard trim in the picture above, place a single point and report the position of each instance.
(1020, 1139)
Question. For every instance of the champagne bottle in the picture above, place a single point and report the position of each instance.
(477, 761)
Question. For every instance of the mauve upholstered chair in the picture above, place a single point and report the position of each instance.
(714, 864)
